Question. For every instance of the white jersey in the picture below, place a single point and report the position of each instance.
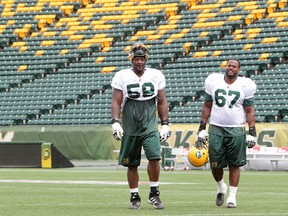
(227, 107)
(139, 88)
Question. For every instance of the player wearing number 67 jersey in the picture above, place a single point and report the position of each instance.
(228, 106)
(138, 97)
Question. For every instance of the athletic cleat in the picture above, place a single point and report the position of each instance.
(231, 203)
(155, 200)
(135, 202)
(220, 196)
(220, 199)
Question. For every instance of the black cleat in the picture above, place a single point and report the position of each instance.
(155, 200)
(135, 201)
(220, 199)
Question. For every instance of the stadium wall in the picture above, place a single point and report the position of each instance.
(97, 142)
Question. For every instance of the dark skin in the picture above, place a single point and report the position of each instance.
(232, 70)
(153, 168)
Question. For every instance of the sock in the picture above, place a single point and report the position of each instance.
(232, 192)
(221, 186)
(134, 190)
(154, 186)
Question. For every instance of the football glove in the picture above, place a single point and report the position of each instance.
(164, 133)
(250, 141)
(251, 138)
(202, 136)
(117, 131)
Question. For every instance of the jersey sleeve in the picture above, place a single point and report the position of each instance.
(249, 88)
(116, 82)
(208, 85)
(162, 81)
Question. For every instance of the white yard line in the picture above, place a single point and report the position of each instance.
(83, 182)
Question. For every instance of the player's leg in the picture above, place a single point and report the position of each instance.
(236, 150)
(130, 157)
(133, 181)
(234, 177)
(151, 147)
(217, 162)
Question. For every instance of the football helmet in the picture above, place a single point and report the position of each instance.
(138, 50)
(198, 153)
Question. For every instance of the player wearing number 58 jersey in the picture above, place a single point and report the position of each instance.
(228, 106)
(138, 97)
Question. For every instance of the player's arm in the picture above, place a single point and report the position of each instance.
(250, 115)
(163, 114)
(116, 103)
(115, 110)
(162, 105)
(206, 111)
(250, 118)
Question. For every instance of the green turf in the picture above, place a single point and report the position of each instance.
(188, 193)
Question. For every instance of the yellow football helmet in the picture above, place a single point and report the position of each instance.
(198, 153)
(138, 49)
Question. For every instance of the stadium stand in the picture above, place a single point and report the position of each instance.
(57, 58)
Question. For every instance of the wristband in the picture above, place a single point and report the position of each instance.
(115, 120)
(165, 122)
(202, 126)
(252, 131)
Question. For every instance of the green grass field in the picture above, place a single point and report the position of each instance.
(101, 191)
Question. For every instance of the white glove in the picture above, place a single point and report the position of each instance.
(164, 133)
(250, 141)
(117, 131)
(202, 135)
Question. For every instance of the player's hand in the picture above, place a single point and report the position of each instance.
(202, 135)
(117, 131)
(250, 141)
(164, 133)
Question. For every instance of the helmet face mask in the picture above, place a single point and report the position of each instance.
(138, 50)
(198, 154)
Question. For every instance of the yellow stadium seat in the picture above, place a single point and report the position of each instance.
(22, 68)
(217, 53)
(245, 3)
(253, 30)
(264, 56)
(49, 34)
(238, 36)
(18, 44)
(76, 37)
(187, 47)
(269, 40)
(223, 64)
(153, 37)
(251, 36)
(200, 54)
(108, 69)
(64, 51)
(67, 33)
(282, 24)
(247, 46)
(39, 52)
(47, 43)
(99, 59)
(234, 17)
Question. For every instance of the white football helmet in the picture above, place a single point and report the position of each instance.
(198, 153)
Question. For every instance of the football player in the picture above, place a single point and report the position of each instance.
(138, 96)
(228, 106)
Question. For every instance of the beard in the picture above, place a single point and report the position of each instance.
(231, 75)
